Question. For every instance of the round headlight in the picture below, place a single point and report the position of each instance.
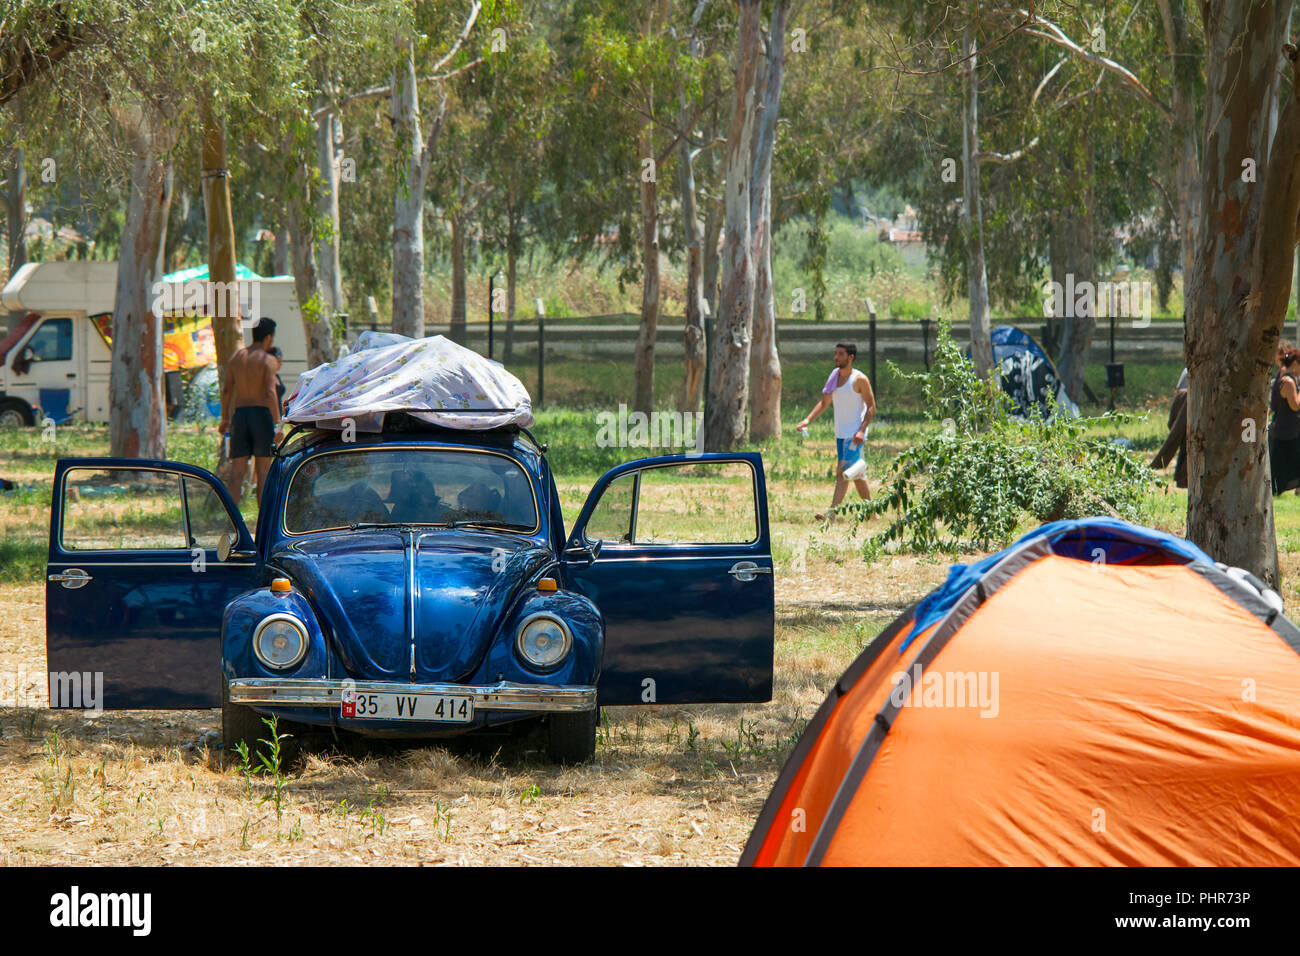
(543, 641)
(280, 641)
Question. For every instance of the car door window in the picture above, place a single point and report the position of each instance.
(611, 521)
(696, 503)
(141, 509)
(122, 509)
(206, 513)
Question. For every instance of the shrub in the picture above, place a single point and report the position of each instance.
(972, 480)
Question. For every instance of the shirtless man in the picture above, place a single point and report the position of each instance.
(849, 391)
(255, 421)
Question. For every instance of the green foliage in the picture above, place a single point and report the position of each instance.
(970, 482)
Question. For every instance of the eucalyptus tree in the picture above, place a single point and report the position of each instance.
(520, 108)
(1240, 284)
(728, 386)
(437, 35)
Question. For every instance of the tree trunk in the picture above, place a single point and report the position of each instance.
(408, 205)
(226, 332)
(724, 417)
(1185, 68)
(317, 330)
(16, 207)
(643, 398)
(712, 258)
(1240, 285)
(329, 156)
(693, 336)
(971, 218)
(513, 243)
(281, 263)
(1080, 266)
(137, 418)
(765, 414)
(457, 332)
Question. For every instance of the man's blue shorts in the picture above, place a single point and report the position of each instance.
(847, 452)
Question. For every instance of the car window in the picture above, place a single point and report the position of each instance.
(122, 509)
(611, 519)
(52, 342)
(409, 486)
(696, 503)
(208, 517)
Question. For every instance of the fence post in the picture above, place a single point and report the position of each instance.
(871, 324)
(925, 342)
(541, 352)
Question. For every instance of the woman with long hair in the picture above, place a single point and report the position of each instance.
(1284, 429)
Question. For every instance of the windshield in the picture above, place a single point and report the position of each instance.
(379, 486)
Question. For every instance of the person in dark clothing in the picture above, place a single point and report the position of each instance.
(1284, 429)
(1175, 447)
(279, 385)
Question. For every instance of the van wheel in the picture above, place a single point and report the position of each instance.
(571, 738)
(14, 413)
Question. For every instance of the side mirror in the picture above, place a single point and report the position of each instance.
(226, 548)
(29, 355)
(584, 554)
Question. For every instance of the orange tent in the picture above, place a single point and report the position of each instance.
(1097, 694)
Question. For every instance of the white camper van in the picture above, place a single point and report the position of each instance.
(55, 361)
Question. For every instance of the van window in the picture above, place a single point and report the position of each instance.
(52, 342)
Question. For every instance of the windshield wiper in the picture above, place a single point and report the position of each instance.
(389, 525)
(506, 525)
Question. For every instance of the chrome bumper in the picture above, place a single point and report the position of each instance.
(311, 692)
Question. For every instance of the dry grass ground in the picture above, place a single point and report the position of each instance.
(669, 785)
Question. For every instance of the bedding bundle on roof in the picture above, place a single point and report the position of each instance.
(432, 379)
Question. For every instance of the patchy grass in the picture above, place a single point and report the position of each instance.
(669, 785)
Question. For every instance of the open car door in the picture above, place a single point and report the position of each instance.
(134, 590)
(676, 553)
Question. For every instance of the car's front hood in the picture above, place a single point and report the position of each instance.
(382, 591)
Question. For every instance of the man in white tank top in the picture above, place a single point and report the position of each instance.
(849, 391)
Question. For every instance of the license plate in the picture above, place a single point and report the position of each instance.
(387, 706)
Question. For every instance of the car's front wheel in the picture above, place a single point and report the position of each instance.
(571, 738)
(243, 725)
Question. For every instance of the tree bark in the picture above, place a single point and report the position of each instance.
(693, 336)
(329, 157)
(137, 417)
(408, 205)
(226, 332)
(16, 208)
(1240, 284)
(513, 244)
(457, 332)
(281, 262)
(711, 255)
(317, 330)
(765, 414)
(1080, 265)
(643, 398)
(1185, 67)
(724, 417)
(971, 219)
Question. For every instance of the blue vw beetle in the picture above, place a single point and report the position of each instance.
(418, 582)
